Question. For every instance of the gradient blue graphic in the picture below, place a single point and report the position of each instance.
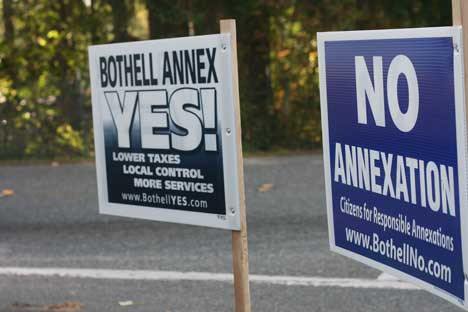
(210, 164)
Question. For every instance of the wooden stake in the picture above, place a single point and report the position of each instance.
(457, 12)
(460, 18)
(240, 254)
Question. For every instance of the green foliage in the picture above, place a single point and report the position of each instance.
(45, 108)
(44, 77)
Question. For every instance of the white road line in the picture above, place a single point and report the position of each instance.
(206, 276)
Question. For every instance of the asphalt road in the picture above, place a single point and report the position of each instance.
(52, 221)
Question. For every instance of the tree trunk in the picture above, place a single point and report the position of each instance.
(165, 19)
(8, 21)
(254, 43)
(9, 38)
(121, 15)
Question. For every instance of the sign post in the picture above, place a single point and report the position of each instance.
(167, 136)
(460, 18)
(395, 152)
(240, 255)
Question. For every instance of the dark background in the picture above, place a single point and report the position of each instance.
(45, 107)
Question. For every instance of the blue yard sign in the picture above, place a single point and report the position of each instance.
(394, 142)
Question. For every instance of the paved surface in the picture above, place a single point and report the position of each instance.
(52, 221)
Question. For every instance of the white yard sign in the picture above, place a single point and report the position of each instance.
(165, 130)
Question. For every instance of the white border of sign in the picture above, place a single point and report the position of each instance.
(460, 110)
(229, 221)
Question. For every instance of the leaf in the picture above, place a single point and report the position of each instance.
(7, 192)
(53, 34)
(67, 306)
(41, 41)
(265, 187)
(283, 53)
